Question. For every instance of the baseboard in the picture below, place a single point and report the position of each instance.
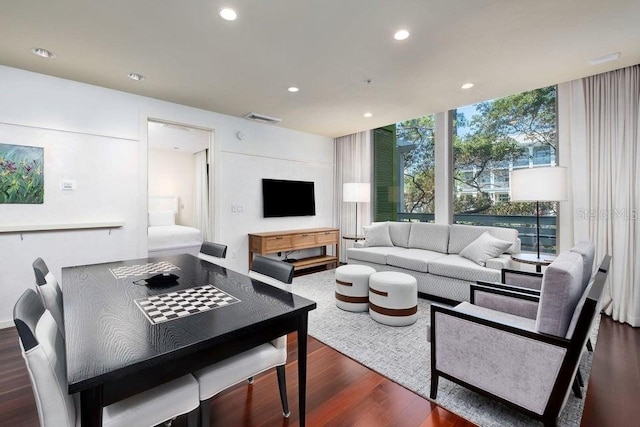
(6, 324)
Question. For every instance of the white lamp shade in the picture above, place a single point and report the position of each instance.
(356, 192)
(545, 184)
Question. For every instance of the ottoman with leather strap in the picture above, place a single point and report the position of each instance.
(352, 287)
(393, 298)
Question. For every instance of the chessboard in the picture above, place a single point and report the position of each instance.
(182, 303)
(142, 269)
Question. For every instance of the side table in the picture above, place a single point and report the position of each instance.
(533, 259)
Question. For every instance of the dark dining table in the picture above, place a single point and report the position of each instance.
(117, 347)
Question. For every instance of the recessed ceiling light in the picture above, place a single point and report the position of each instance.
(293, 89)
(606, 58)
(401, 35)
(136, 76)
(367, 115)
(466, 86)
(228, 14)
(42, 52)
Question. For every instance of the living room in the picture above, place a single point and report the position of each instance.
(94, 132)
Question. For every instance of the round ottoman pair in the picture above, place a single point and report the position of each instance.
(393, 298)
(352, 287)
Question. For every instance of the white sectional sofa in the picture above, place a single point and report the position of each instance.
(444, 259)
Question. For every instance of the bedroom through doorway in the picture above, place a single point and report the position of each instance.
(179, 188)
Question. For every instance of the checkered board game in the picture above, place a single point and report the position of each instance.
(142, 269)
(173, 305)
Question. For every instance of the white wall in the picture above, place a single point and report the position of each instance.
(91, 124)
(172, 173)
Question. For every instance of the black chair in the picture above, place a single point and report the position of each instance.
(279, 270)
(214, 249)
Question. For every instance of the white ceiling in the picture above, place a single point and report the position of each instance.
(328, 48)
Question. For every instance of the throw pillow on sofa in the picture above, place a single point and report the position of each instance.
(483, 248)
(377, 235)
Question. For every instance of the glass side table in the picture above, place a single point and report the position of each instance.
(533, 259)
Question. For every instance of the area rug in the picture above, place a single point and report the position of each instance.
(402, 354)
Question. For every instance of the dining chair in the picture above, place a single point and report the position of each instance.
(43, 349)
(49, 291)
(215, 253)
(244, 366)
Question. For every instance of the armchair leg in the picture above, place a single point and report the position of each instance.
(434, 386)
(589, 346)
(193, 418)
(205, 412)
(282, 385)
(579, 378)
(576, 389)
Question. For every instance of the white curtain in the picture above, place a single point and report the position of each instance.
(353, 159)
(605, 163)
(201, 197)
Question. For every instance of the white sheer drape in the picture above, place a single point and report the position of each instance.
(352, 164)
(605, 162)
(201, 196)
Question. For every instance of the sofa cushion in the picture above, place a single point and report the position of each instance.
(377, 255)
(461, 268)
(413, 259)
(377, 234)
(559, 295)
(462, 235)
(399, 232)
(484, 248)
(433, 237)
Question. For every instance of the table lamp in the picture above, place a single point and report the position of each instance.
(356, 192)
(542, 184)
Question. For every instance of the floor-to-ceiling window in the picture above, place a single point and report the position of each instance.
(490, 139)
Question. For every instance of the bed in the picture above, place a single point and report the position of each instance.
(164, 236)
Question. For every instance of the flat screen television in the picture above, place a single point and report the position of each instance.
(288, 198)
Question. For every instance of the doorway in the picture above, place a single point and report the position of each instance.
(179, 180)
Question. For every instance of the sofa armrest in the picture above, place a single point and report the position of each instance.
(359, 244)
(499, 263)
(505, 301)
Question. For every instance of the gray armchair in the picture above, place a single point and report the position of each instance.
(527, 362)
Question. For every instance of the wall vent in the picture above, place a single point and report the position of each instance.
(262, 118)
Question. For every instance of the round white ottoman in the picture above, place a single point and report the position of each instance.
(393, 298)
(352, 287)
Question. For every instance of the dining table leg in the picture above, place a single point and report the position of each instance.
(302, 368)
(91, 407)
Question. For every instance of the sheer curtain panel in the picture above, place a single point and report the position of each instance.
(605, 160)
(201, 196)
(352, 165)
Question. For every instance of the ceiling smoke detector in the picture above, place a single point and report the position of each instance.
(262, 118)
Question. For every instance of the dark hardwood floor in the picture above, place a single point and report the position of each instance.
(342, 392)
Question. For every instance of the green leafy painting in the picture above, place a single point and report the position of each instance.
(21, 174)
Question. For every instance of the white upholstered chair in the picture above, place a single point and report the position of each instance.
(44, 353)
(49, 291)
(244, 366)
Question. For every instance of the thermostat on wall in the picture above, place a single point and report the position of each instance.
(67, 185)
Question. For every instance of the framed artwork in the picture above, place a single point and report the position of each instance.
(21, 174)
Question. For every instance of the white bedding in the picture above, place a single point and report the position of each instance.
(173, 237)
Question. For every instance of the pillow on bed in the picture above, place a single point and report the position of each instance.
(161, 218)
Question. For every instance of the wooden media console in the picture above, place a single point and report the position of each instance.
(292, 240)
